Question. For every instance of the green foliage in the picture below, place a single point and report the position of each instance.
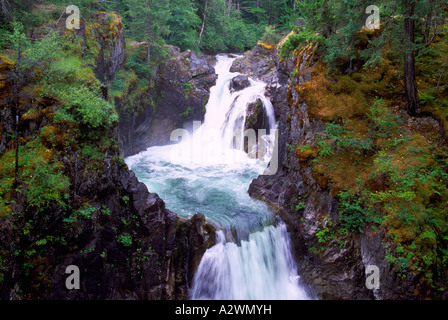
(325, 149)
(91, 151)
(47, 187)
(90, 107)
(270, 36)
(186, 113)
(148, 20)
(299, 38)
(300, 206)
(383, 124)
(84, 212)
(351, 211)
(87, 211)
(126, 200)
(137, 62)
(188, 87)
(125, 239)
(326, 233)
(183, 24)
(105, 210)
(63, 76)
(335, 130)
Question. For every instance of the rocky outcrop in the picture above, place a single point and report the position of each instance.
(259, 64)
(125, 242)
(112, 47)
(255, 117)
(337, 269)
(131, 247)
(239, 83)
(181, 90)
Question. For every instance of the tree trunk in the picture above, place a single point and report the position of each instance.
(326, 18)
(413, 106)
(148, 53)
(203, 23)
(16, 88)
(16, 170)
(5, 6)
(428, 24)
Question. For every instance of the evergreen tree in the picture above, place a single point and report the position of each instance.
(184, 24)
(148, 21)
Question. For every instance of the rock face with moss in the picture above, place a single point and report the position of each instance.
(179, 91)
(306, 207)
(110, 37)
(76, 202)
(340, 203)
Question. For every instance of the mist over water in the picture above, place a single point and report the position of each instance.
(210, 173)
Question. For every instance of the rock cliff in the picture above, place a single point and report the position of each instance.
(335, 267)
(181, 89)
(124, 241)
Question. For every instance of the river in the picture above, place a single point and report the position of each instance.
(209, 172)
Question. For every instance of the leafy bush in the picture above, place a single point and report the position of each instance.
(137, 62)
(325, 148)
(125, 239)
(47, 187)
(300, 206)
(351, 211)
(92, 109)
(383, 124)
(299, 38)
(270, 36)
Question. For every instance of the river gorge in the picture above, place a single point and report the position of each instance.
(252, 256)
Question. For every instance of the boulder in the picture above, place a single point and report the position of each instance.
(179, 94)
(239, 83)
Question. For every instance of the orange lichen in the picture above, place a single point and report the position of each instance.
(266, 45)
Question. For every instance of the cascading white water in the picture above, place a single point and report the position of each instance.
(252, 256)
(260, 268)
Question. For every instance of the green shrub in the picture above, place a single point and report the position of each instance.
(351, 211)
(383, 124)
(92, 109)
(300, 206)
(92, 152)
(126, 200)
(137, 62)
(125, 239)
(325, 233)
(188, 87)
(299, 38)
(325, 148)
(270, 36)
(47, 187)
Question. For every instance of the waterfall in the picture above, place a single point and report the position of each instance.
(221, 136)
(209, 172)
(262, 266)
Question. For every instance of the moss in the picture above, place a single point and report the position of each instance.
(397, 172)
(6, 65)
(305, 153)
(267, 46)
